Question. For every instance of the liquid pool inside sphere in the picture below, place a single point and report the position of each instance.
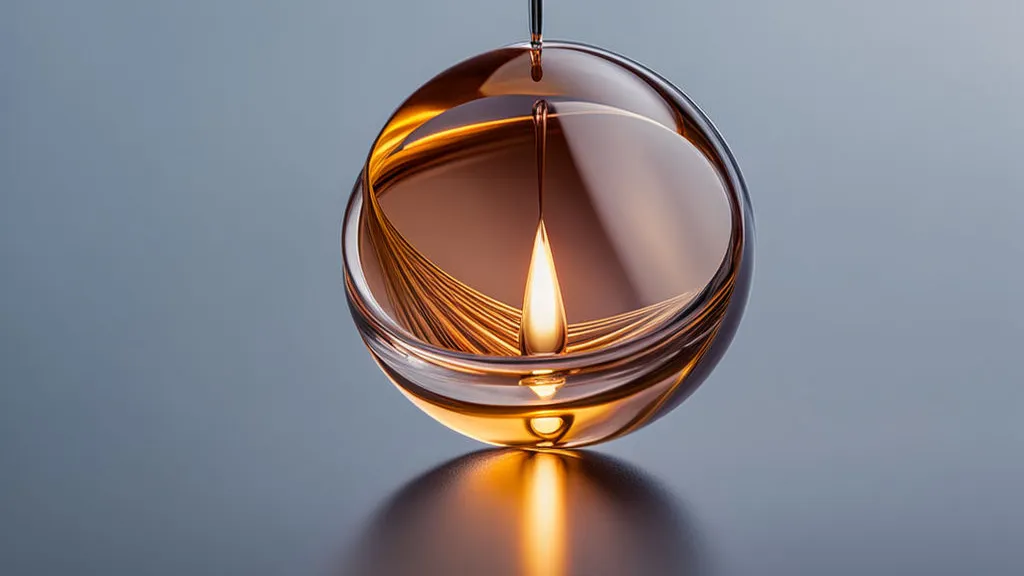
(547, 247)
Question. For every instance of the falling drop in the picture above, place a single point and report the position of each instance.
(536, 70)
(544, 329)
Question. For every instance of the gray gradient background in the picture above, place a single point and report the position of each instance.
(183, 391)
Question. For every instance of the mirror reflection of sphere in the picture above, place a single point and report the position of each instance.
(529, 513)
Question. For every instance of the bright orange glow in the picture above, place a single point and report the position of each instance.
(544, 391)
(543, 524)
(543, 383)
(544, 329)
(547, 425)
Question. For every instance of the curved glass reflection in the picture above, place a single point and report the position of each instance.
(529, 513)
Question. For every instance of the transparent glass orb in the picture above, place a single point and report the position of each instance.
(548, 248)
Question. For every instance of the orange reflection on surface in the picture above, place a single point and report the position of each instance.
(543, 523)
(516, 512)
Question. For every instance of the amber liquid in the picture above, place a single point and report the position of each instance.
(636, 231)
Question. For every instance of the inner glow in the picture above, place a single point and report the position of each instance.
(547, 425)
(544, 328)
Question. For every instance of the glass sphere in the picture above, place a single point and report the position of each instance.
(548, 247)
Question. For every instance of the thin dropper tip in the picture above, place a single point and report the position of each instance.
(536, 22)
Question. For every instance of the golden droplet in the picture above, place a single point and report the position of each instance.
(544, 329)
